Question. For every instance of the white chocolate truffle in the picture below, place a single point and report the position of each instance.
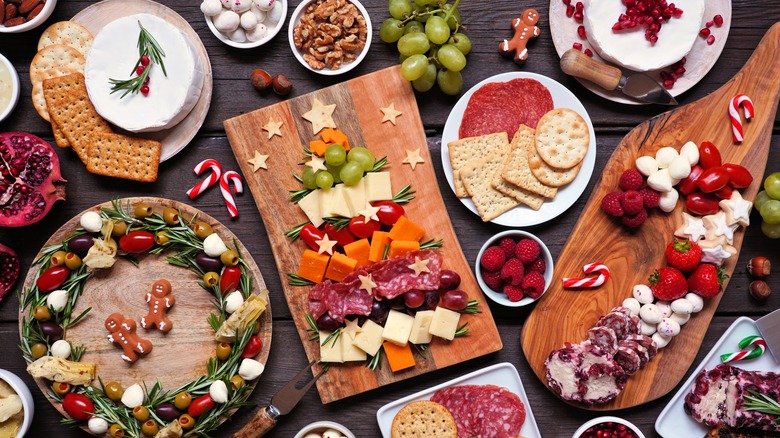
(651, 314)
(332, 433)
(248, 20)
(660, 181)
(661, 341)
(646, 165)
(264, 5)
(57, 300)
(91, 222)
(213, 245)
(664, 156)
(647, 329)
(633, 305)
(679, 168)
(218, 391)
(133, 396)
(237, 36)
(643, 293)
(239, 6)
(233, 301)
(680, 318)
(682, 305)
(226, 21)
(258, 33)
(97, 425)
(668, 327)
(668, 200)
(691, 152)
(696, 301)
(60, 348)
(665, 307)
(250, 369)
(211, 8)
(275, 14)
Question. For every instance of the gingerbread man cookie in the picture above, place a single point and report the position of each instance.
(525, 29)
(123, 333)
(160, 300)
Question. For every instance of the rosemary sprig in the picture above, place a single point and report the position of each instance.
(376, 361)
(333, 337)
(149, 47)
(295, 232)
(472, 307)
(312, 327)
(339, 222)
(431, 244)
(297, 195)
(760, 402)
(379, 164)
(297, 280)
(385, 252)
(76, 351)
(404, 195)
(462, 330)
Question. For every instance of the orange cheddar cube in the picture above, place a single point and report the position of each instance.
(399, 358)
(340, 266)
(404, 229)
(313, 266)
(318, 147)
(401, 247)
(379, 240)
(359, 250)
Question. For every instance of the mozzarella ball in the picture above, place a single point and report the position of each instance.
(91, 222)
(696, 301)
(275, 14)
(97, 425)
(646, 165)
(668, 200)
(248, 20)
(643, 293)
(257, 33)
(668, 327)
(218, 391)
(661, 341)
(665, 307)
(651, 314)
(261, 15)
(133, 396)
(238, 35)
(211, 8)
(682, 305)
(227, 21)
(60, 348)
(233, 301)
(213, 245)
(647, 329)
(239, 6)
(660, 181)
(264, 5)
(57, 300)
(680, 318)
(633, 305)
(679, 168)
(691, 152)
(250, 369)
(664, 156)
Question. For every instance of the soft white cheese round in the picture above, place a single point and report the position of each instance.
(113, 55)
(629, 48)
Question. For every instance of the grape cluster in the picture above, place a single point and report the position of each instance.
(768, 204)
(428, 35)
(342, 166)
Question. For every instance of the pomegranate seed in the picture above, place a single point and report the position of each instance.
(668, 84)
(566, 2)
(577, 46)
(145, 60)
(664, 75)
(579, 6)
(718, 19)
(581, 32)
(589, 53)
(140, 70)
(569, 11)
(677, 12)
(145, 90)
(578, 17)
(673, 77)
(617, 26)
(679, 71)
(710, 39)
(682, 61)
(653, 38)
(704, 32)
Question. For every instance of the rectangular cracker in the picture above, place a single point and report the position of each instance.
(477, 177)
(125, 157)
(516, 169)
(471, 149)
(59, 137)
(523, 196)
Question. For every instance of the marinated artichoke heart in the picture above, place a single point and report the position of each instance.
(103, 253)
(243, 318)
(62, 370)
(173, 430)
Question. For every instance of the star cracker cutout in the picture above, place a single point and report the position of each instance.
(737, 209)
(419, 266)
(320, 116)
(258, 162)
(692, 228)
(367, 283)
(716, 226)
(716, 251)
(325, 245)
(413, 158)
(390, 113)
(316, 163)
(351, 329)
(272, 127)
(369, 213)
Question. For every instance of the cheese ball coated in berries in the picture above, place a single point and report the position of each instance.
(493, 259)
(527, 250)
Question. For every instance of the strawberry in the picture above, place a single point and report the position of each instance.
(514, 293)
(512, 272)
(668, 284)
(683, 255)
(492, 259)
(707, 280)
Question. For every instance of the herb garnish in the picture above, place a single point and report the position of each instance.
(147, 47)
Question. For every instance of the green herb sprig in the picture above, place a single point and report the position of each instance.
(147, 46)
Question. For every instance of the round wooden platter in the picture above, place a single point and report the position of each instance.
(94, 17)
(178, 356)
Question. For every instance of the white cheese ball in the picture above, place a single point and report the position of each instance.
(679, 168)
(218, 391)
(97, 425)
(238, 35)
(646, 165)
(213, 245)
(651, 314)
(248, 20)
(682, 305)
(261, 15)
(133, 396)
(57, 300)
(642, 293)
(647, 329)
(696, 301)
(691, 152)
(258, 33)
(91, 222)
(668, 200)
(668, 327)
(250, 369)
(633, 305)
(661, 341)
(680, 318)
(60, 348)
(332, 433)
(239, 6)
(264, 5)
(660, 181)
(664, 156)
(226, 21)
(275, 14)
(211, 8)
(233, 301)
(665, 307)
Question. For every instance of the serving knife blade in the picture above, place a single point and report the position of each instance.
(769, 327)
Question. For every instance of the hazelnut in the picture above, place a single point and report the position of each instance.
(282, 85)
(261, 80)
(759, 267)
(760, 291)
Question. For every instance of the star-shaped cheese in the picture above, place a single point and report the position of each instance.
(258, 161)
(316, 163)
(413, 158)
(351, 329)
(737, 209)
(716, 226)
(390, 113)
(691, 229)
(320, 116)
(325, 245)
(716, 253)
(369, 213)
(367, 283)
(273, 128)
(419, 266)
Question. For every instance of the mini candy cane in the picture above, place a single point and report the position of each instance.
(759, 346)
(216, 172)
(599, 267)
(736, 121)
(224, 187)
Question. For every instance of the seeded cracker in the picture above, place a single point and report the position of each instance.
(58, 57)
(516, 170)
(124, 157)
(547, 174)
(424, 418)
(523, 196)
(562, 138)
(39, 101)
(67, 33)
(470, 149)
(477, 178)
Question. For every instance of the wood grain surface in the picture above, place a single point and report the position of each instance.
(632, 255)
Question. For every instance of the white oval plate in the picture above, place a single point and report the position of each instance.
(523, 216)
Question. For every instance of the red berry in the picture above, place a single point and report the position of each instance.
(581, 31)
(683, 255)
(580, 6)
(589, 53)
(512, 272)
(632, 203)
(140, 70)
(631, 179)
(668, 284)
(537, 265)
(508, 245)
(710, 40)
(709, 23)
(533, 284)
(706, 280)
(610, 203)
(635, 221)
(145, 60)
(668, 84)
(718, 19)
(566, 2)
(577, 46)
(145, 90)
(650, 198)
(705, 32)
(578, 17)
(569, 10)
(527, 250)
(493, 259)
(493, 279)
(514, 293)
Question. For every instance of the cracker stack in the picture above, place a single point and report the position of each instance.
(424, 419)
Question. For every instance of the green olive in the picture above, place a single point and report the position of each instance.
(120, 228)
(237, 382)
(256, 328)
(114, 391)
(142, 210)
(182, 400)
(61, 388)
(223, 351)
(202, 229)
(38, 350)
(161, 237)
(141, 413)
(150, 427)
(72, 261)
(229, 258)
(57, 259)
(116, 431)
(186, 421)
(211, 278)
(171, 216)
(41, 313)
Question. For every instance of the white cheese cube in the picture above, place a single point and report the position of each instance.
(378, 187)
(398, 327)
(331, 352)
(349, 352)
(444, 323)
(370, 337)
(339, 206)
(310, 204)
(422, 322)
(356, 197)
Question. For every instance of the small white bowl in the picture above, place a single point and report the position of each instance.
(320, 427)
(250, 44)
(498, 296)
(295, 19)
(44, 15)
(15, 88)
(600, 420)
(27, 399)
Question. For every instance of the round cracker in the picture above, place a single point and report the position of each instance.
(50, 62)
(39, 101)
(67, 33)
(547, 174)
(562, 138)
(424, 418)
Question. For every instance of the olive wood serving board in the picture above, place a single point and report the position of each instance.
(177, 357)
(358, 115)
(566, 315)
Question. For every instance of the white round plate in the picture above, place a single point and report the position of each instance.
(523, 216)
(699, 60)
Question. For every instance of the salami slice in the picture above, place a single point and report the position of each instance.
(395, 277)
(498, 413)
(459, 400)
(604, 338)
(628, 359)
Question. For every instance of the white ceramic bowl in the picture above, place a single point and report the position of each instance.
(320, 427)
(249, 44)
(296, 19)
(27, 399)
(4, 113)
(44, 15)
(498, 296)
(599, 420)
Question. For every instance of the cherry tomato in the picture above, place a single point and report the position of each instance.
(709, 155)
(136, 242)
(724, 193)
(341, 236)
(362, 229)
(229, 280)
(310, 235)
(253, 347)
(52, 278)
(389, 212)
(689, 184)
(739, 177)
(200, 405)
(702, 204)
(78, 406)
(713, 179)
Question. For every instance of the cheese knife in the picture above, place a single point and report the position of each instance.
(638, 85)
(769, 327)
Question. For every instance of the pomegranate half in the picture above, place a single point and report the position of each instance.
(9, 269)
(30, 179)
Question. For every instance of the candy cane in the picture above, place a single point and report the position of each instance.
(216, 172)
(599, 267)
(736, 121)
(759, 347)
(224, 187)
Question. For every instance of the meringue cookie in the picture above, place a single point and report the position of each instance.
(691, 152)
(660, 181)
(668, 201)
(646, 165)
(679, 168)
(665, 155)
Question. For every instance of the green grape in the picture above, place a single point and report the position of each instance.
(309, 179)
(449, 81)
(400, 9)
(324, 180)
(414, 67)
(761, 198)
(334, 171)
(772, 185)
(335, 155)
(451, 58)
(461, 42)
(391, 30)
(437, 31)
(351, 173)
(413, 44)
(420, 10)
(454, 19)
(771, 231)
(414, 26)
(362, 156)
(423, 3)
(426, 81)
(770, 211)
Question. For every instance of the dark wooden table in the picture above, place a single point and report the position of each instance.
(488, 22)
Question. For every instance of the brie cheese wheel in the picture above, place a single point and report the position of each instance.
(113, 56)
(629, 48)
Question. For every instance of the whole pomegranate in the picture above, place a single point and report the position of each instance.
(30, 180)
(9, 269)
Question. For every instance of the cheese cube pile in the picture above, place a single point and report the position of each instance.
(346, 201)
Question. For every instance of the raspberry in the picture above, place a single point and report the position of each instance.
(512, 272)
(508, 245)
(537, 265)
(493, 279)
(631, 179)
(527, 250)
(533, 284)
(632, 203)
(636, 220)
(514, 293)
(493, 258)
(650, 198)
(610, 203)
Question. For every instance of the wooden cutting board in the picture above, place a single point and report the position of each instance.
(358, 115)
(566, 315)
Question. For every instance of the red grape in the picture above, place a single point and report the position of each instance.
(455, 299)
(326, 323)
(414, 299)
(431, 299)
(379, 312)
(448, 280)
